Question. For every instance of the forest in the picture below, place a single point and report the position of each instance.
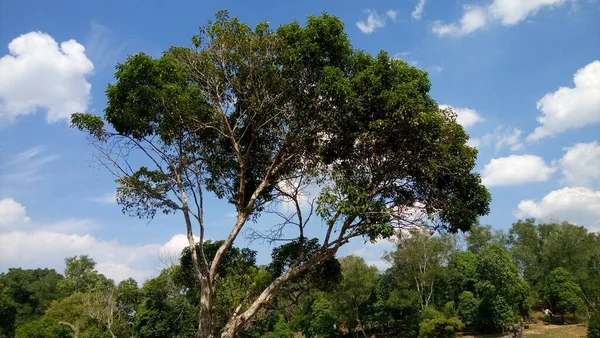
(437, 286)
(254, 117)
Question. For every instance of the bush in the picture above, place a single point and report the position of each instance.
(436, 325)
(594, 324)
(468, 308)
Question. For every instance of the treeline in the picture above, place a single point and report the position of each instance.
(436, 286)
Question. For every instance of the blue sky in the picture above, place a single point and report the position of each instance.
(523, 76)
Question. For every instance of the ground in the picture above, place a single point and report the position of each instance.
(541, 330)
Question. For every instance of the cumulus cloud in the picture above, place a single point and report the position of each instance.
(473, 19)
(501, 137)
(176, 244)
(515, 169)
(576, 204)
(373, 253)
(375, 21)
(466, 117)
(507, 12)
(40, 74)
(28, 244)
(417, 13)
(570, 107)
(12, 214)
(511, 12)
(49, 248)
(580, 165)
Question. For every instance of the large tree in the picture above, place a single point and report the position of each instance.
(246, 113)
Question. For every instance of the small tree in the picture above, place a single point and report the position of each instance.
(562, 293)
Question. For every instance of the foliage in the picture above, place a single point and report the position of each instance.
(468, 308)
(594, 324)
(355, 289)
(43, 328)
(322, 319)
(562, 293)
(81, 276)
(435, 324)
(420, 257)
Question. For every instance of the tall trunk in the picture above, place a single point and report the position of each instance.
(206, 327)
(361, 327)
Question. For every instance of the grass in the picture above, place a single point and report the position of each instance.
(541, 330)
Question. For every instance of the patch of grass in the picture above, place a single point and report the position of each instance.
(540, 330)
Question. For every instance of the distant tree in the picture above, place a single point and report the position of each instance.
(481, 236)
(419, 259)
(355, 289)
(248, 110)
(30, 291)
(128, 297)
(322, 319)
(8, 311)
(81, 276)
(164, 310)
(562, 293)
(499, 287)
(43, 327)
(468, 309)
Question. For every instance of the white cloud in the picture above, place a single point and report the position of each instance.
(515, 169)
(12, 214)
(500, 138)
(372, 252)
(508, 12)
(473, 19)
(176, 244)
(375, 21)
(108, 198)
(570, 108)
(417, 13)
(391, 14)
(581, 165)
(511, 12)
(575, 204)
(39, 74)
(466, 117)
(27, 244)
(43, 248)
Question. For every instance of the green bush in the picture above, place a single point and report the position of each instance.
(436, 325)
(321, 319)
(468, 308)
(594, 324)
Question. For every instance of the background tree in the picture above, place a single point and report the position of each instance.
(81, 276)
(355, 289)
(247, 109)
(561, 293)
(419, 259)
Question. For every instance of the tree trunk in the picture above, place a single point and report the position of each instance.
(360, 326)
(205, 324)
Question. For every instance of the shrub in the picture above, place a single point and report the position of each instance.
(594, 324)
(436, 325)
